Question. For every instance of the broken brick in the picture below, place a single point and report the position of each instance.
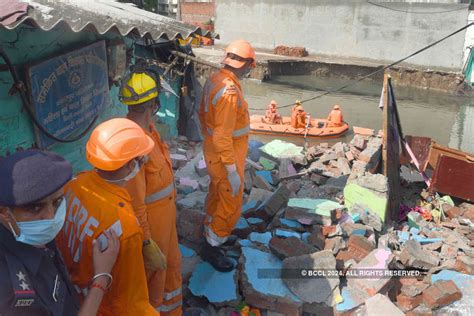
(276, 201)
(413, 255)
(260, 182)
(289, 247)
(349, 156)
(317, 238)
(448, 252)
(465, 264)
(334, 244)
(343, 165)
(372, 153)
(381, 305)
(327, 230)
(421, 310)
(178, 160)
(412, 287)
(190, 224)
(327, 157)
(359, 142)
(201, 168)
(359, 247)
(377, 259)
(354, 229)
(453, 212)
(318, 179)
(441, 293)
(407, 303)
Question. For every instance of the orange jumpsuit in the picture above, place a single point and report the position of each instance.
(225, 125)
(335, 118)
(272, 116)
(94, 205)
(298, 119)
(154, 202)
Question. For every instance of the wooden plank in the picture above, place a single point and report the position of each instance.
(454, 177)
(437, 150)
(391, 151)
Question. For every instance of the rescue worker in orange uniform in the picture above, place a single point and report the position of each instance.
(97, 201)
(153, 192)
(335, 118)
(298, 116)
(271, 115)
(225, 125)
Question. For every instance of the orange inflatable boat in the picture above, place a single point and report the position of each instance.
(317, 128)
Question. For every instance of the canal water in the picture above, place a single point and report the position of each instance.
(446, 118)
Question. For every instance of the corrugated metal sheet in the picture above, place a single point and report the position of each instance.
(103, 16)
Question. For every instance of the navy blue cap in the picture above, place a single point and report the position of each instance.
(31, 175)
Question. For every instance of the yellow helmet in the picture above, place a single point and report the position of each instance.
(138, 88)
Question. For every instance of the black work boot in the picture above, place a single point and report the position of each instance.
(216, 258)
(231, 240)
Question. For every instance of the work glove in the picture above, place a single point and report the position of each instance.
(233, 178)
(153, 256)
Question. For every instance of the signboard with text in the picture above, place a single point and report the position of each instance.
(69, 91)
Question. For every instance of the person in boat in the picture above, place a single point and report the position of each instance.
(272, 116)
(298, 116)
(335, 118)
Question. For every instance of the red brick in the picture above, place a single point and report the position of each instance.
(453, 212)
(407, 303)
(441, 293)
(465, 264)
(359, 247)
(327, 230)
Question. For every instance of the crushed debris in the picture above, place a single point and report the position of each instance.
(324, 208)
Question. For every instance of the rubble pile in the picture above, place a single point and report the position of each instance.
(323, 210)
(290, 51)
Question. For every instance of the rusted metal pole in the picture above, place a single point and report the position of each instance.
(196, 59)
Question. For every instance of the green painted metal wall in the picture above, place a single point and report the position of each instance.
(29, 45)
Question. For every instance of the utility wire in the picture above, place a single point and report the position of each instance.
(414, 12)
(374, 72)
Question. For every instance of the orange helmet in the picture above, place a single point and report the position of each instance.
(337, 107)
(115, 142)
(242, 49)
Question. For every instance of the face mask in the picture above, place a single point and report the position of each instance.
(130, 176)
(41, 232)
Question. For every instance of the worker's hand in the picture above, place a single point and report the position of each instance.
(153, 257)
(104, 261)
(233, 178)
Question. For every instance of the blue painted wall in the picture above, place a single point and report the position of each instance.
(26, 45)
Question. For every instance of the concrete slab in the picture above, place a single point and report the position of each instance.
(381, 305)
(265, 174)
(313, 290)
(286, 233)
(280, 149)
(290, 223)
(218, 287)
(261, 238)
(186, 252)
(268, 293)
(317, 206)
(376, 202)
